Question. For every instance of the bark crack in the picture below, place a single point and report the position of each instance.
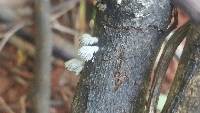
(119, 76)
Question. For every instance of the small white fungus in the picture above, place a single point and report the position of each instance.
(87, 39)
(74, 65)
(86, 52)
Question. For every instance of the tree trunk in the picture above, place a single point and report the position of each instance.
(117, 79)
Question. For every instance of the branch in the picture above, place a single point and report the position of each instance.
(41, 83)
(23, 104)
(160, 71)
(9, 34)
(5, 106)
(188, 68)
(62, 9)
(64, 29)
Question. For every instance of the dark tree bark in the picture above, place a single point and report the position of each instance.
(130, 36)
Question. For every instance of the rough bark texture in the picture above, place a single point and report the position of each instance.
(130, 35)
(184, 95)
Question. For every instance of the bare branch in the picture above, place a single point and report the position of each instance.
(62, 9)
(160, 71)
(23, 104)
(188, 69)
(64, 29)
(41, 83)
(5, 106)
(9, 34)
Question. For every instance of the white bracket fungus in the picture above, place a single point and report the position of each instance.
(86, 53)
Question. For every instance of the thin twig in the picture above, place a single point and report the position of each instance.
(5, 106)
(64, 29)
(63, 8)
(23, 104)
(9, 34)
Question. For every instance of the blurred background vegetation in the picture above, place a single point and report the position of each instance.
(17, 51)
